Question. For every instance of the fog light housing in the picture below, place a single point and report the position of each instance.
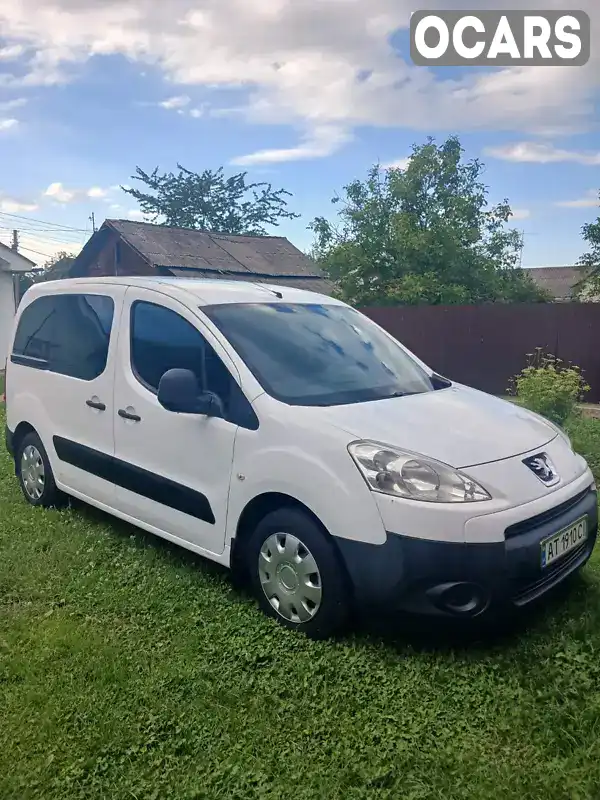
(459, 599)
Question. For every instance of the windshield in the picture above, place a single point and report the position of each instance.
(318, 355)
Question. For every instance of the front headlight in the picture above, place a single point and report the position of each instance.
(400, 473)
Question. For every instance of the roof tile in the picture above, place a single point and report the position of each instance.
(165, 246)
(559, 281)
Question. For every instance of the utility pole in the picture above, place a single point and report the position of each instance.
(522, 244)
(16, 279)
(522, 249)
(93, 221)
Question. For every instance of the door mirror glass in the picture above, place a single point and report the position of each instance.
(179, 391)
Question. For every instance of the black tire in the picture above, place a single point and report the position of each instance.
(330, 615)
(49, 495)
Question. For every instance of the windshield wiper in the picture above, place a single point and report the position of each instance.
(398, 393)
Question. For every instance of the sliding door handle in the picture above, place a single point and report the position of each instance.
(96, 404)
(127, 415)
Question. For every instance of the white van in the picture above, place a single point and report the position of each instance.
(284, 432)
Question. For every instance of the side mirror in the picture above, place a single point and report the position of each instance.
(179, 392)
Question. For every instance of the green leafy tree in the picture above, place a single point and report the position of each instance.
(590, 261)
(423, 234)
(210, 201)
(54, 269)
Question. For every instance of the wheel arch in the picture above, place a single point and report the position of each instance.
(256, 510)
(22, 430)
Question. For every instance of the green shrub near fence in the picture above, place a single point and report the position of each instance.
(550, 387)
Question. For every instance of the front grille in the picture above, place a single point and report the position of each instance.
(528, 591)
(547, 516)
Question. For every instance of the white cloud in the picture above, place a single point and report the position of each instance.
(540, 153)
(307, 64)
(399, 163)
(97, 193)
(56, 191)
(10, 206)
(62, 194)
(176, 102)
(590, 200)
(520, 213)
(11, 52)
(136, 214)
(322, 141)
(200, 111)
(180, 104)
(8, 124)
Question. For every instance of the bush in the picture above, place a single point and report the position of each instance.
(550, 387)
(584, 433)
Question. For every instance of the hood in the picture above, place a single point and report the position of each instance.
(460, 426)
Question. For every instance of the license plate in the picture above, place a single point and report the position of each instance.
(561, 543)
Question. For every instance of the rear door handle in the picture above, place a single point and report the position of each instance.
(126, 415)
(96, 404)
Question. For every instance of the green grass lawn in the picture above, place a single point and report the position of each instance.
(129, 669)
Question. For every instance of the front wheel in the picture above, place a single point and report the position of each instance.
(297, 575)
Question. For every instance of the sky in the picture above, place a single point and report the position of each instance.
(304, 94)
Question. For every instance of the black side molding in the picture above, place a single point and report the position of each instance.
(84, 458)
(135, 479)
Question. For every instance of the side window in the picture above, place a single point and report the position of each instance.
(69, 332)
(162, 340)
(103, 308)
(35, 333)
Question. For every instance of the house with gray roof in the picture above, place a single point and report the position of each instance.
(563, 283)
(124, 247)
(12, 265)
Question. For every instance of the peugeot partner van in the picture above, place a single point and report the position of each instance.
(283, 432)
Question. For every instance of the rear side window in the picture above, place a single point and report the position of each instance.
(162, 340)
(66, 333)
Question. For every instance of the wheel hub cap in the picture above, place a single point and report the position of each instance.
(32, 472)
(290, 578)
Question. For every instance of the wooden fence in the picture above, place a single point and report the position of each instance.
(484, 346)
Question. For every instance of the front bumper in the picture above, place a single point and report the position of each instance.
(8, 440)
(464, 579)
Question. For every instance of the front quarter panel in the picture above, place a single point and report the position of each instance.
(309, 464)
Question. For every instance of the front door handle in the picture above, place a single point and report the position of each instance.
(126, 415)
(96, 404)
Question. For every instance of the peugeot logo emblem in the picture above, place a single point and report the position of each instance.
(543, 468)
